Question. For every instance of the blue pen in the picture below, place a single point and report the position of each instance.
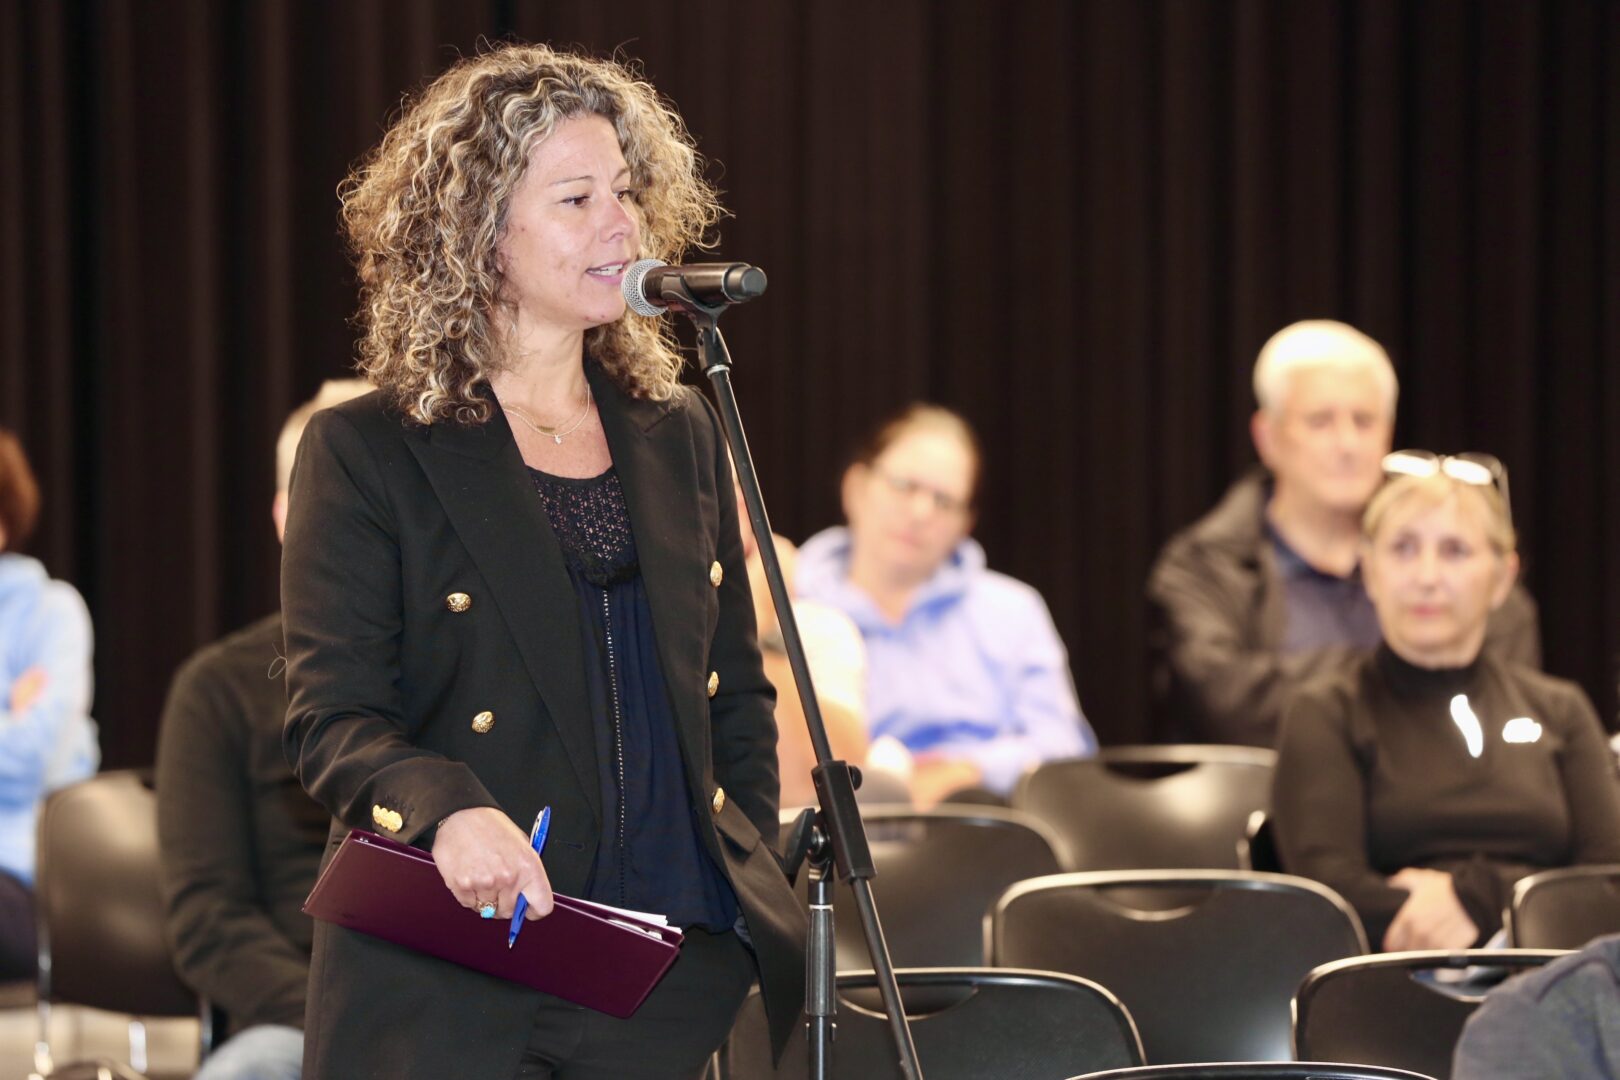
(537, 840)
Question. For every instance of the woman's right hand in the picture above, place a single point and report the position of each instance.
(485, 859)
(1432, 917)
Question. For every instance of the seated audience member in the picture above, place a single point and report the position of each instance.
(47, 738)
(241, 840)
(837, 660)
(964, 666)
(1562, 1020)
(1421, 781)
(1264, 590)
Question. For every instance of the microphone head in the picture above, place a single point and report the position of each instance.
(632, 287)
(743, 282)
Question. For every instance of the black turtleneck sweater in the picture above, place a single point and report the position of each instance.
(1488, 772)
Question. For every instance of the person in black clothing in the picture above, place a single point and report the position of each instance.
(513, 578)
(241, 841)
(1423, 780)
(1264, 592)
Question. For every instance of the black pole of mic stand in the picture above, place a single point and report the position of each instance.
(841, 839)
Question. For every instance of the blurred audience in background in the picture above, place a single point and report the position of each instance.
(1421, 781)
(1265, 590)
(964, 665)
(837, 660)
(47, 738)
(241, 840)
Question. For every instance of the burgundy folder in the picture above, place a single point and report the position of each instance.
(581, 952)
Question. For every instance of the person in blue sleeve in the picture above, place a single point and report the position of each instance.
(964, 665)
(47, 738)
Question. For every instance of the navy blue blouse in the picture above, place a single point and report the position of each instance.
(650, 857)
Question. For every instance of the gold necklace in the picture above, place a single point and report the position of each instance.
(553, 434)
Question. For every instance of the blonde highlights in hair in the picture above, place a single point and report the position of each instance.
(425, 212)
(1406, 495)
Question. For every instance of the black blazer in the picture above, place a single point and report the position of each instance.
(387, 673)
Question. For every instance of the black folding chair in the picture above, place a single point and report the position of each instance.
(1210, 979)
(1391, 1009)
(1564, 909)
(100, 910)
(968, 1024)
(938, 871)
(1257, 1070)
(1150, 807)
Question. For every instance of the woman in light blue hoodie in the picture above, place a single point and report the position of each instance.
(47, 738)
(964, 666)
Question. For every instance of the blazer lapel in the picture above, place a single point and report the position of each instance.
(653, 454)
(484, 487)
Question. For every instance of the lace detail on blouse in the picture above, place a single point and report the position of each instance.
(592, 524)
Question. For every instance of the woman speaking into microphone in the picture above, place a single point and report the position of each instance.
(513, 577)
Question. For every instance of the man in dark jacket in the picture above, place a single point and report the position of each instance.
(241, 840)
(1264, 590)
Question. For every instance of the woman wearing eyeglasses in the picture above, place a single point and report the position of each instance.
(1423, 780)
(964, 666)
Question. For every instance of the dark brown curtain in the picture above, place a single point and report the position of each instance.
(1074, 222)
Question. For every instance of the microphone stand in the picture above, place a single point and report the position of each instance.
(833, 836)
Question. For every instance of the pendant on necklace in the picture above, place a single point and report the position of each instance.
(557, 439)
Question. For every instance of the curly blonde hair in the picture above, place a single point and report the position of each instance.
(425, 212)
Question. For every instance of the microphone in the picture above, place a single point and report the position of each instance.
(652, 286)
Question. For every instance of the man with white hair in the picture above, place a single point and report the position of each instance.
(1264, 591)
(241, 841)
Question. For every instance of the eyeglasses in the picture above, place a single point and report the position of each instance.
(906, 488)
(1472, 467)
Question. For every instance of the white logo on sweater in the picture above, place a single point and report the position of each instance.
(1463, 716)
(1521, 729)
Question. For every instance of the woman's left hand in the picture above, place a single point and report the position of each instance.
(1432, 917)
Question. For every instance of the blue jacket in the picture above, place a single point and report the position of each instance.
(975, 669)
(43, 624)
(1562, 1020)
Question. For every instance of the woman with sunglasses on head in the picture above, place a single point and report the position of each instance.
(964, 666)
(1424, 779)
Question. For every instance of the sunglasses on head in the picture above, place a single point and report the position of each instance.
(1471, 467)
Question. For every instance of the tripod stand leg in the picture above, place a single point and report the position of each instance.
(821, 977)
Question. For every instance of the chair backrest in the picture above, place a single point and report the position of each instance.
(1150, 807)
(1210, 978)
(1257, 1070)
(938, 871)
(967, 1023)
(1564, 909)
(1404, 1010)
(1258, 849)
(99, 901)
